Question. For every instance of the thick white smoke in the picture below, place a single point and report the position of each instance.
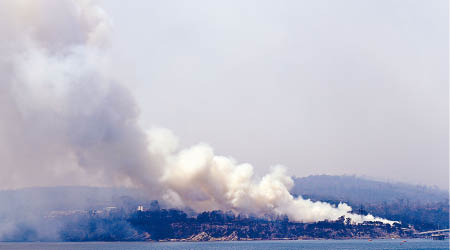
(64, 121)
(197, 178)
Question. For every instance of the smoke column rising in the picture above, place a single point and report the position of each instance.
(66, 122)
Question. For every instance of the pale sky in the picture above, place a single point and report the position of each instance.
(321, 87)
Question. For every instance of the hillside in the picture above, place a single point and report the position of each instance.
(424, 207)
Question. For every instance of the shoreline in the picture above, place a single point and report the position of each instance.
(239, 240)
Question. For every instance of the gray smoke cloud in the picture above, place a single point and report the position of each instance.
(63, 120)
(66, 122)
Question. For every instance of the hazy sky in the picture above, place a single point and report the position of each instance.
(322, 87)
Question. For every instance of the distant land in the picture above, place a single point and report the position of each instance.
(110, 214)
(425, 208)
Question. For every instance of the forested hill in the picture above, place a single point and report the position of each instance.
(424, 207)
(355, 189)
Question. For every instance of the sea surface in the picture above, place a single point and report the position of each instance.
(414, 244)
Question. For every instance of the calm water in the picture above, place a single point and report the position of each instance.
(415, 244)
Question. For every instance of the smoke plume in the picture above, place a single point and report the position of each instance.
(197, 178)
(66, 121)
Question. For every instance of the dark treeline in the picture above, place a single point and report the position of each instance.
(61, 213)
(165, 224)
